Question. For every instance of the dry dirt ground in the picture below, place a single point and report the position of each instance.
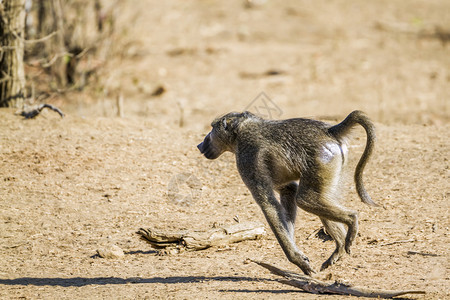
(71, 186)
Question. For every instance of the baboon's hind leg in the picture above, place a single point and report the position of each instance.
(338, 232)
(318, 193)
(313, 199)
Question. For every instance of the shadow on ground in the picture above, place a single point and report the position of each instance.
(83, 281)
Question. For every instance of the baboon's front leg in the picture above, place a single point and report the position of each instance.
(278, 220)
(287, 199)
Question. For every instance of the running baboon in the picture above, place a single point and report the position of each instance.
(302, 160)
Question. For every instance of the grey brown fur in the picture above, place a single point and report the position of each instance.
(302, 160)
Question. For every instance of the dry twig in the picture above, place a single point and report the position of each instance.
(422, 253)
(398, 242)
(315, 286)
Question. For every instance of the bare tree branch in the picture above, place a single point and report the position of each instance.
(198, 240)
(42, 39)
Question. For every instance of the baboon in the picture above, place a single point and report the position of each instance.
(302, 160)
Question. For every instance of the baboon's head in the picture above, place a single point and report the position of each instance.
(223, 134)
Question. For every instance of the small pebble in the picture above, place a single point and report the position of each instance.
(112, 251)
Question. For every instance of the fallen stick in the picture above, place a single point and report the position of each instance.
(422, 253)
(315, 286)
(198, 240)
(30, 114)
(398, 242)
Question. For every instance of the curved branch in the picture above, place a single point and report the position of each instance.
(315, 286)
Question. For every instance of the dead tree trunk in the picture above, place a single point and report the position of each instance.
(59, 67)
(12, 74)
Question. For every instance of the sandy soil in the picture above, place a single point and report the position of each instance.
(71, 186)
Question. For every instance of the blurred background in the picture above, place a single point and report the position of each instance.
(186, 62)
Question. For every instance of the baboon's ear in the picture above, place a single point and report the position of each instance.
(230, 123)
(224, 123)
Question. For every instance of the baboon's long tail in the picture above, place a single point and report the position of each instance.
(340, 131)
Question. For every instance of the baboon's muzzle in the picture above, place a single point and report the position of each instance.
(203, 145)
(200, 147)
(207, 149)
